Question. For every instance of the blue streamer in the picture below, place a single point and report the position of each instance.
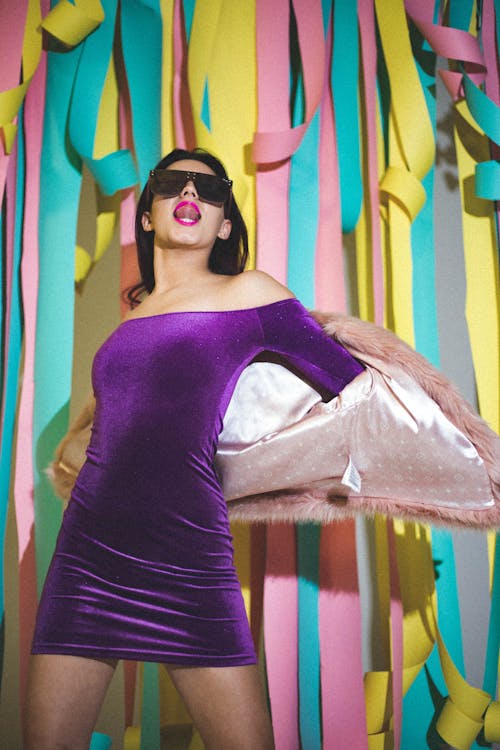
(304, 213)
(116, 170)
(460, 13)
(493, 648)
(344, 77)
(308, 538)
(142, 53)
(60, 182)
(100, 742)
(188, 6)
(150, 723)
(13, 349)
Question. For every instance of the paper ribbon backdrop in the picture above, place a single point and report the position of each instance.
(325, 116)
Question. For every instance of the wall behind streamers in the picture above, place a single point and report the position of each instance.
(419, 255)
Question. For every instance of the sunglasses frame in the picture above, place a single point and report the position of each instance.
(224, 182)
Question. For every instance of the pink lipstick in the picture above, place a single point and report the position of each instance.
(187, 213)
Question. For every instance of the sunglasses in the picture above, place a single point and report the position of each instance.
(210, 187)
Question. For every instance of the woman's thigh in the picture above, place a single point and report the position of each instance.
(63, 701)
(227, 705)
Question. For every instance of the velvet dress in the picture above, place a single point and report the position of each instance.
(143, 567)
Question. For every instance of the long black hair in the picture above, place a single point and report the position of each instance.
(227, 256)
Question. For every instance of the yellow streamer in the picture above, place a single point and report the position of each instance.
(222, 56)
(71, 23)
(11, 100)
(107, 140)
(481, 267)
(412, 122)
(467, 710)
(419, 632)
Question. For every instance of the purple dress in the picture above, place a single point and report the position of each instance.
(143, 567)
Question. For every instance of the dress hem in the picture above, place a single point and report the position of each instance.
(195, 661)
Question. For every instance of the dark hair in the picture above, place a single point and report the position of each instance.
(227, 257)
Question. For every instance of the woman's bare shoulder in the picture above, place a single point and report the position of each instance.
(254, 288)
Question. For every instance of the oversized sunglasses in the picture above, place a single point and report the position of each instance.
(210, 187)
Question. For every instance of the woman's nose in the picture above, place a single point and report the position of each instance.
(189, 189)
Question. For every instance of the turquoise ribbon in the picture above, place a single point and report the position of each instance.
(116, 170)
(100, 741)
(493, 648)
(188, 6)
(344, 78)
(142, 53)
(460, 13)
(308, 537)
(60, 182)
(487, 181)
(303, 222)
(483, 109)
(13, 349)
(150, 721)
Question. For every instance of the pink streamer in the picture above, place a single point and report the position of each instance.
(454, 44)
(24, 470)
(9, 251)
(12, 23)
(369, 61)
(183, 118)
(329, 274)
(281, 634)
(343, 706)
(273, 113)
(397, 638)
(274, 146)
(343, 700)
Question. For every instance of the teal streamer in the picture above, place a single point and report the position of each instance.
(487, 181)
(304, 213)
(493, 647)
(422, 231)
(188, 6)
(344, 79)
(116, 170)
(13, 351)
(60, 183)
(142, 53)
(205, 107)
(460, 13)
(483, 109)
(308, 538)
(100, 742)
(150, 724)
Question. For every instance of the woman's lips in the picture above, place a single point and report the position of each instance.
(187, 213)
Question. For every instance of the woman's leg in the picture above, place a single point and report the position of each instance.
(64, 697)
(227, 705)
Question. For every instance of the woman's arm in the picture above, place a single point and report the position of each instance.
(69, 455)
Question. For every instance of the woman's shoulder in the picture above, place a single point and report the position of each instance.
(256, 288)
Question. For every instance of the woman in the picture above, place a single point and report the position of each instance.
(143, 567)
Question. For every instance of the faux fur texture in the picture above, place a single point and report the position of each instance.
(383, 350)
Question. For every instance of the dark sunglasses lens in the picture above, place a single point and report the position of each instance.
(211, 188)
(167, 182)
(170, 182)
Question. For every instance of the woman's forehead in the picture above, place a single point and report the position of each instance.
(191, 165)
